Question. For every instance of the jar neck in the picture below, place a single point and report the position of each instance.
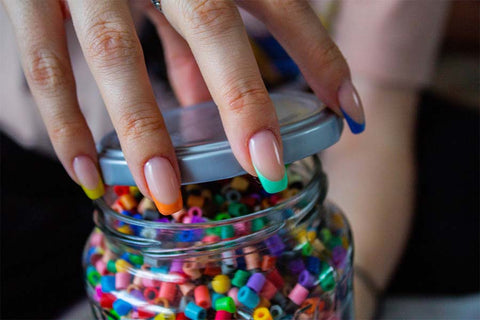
(178, 240)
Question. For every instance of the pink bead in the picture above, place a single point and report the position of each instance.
(211, 239)
(202, 297)
(298, 294)
(252, 258)
(241, 228)
(168, 290)
(147, 282)
(96, 239)
(186, 288)
(122, 280)
(138, 281)
(98, 291)
(95, 257)
(268, 290)
(195, 212)
(101, 267)
(223, 315)
(233, 293)
(187, 219)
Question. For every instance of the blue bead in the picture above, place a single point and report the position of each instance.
(248, 297)
(162, 269)
(108, 283)
(186, 236)
(122, 307)
(91, 252)
(194, 312)
(313, 265)
(125, 257)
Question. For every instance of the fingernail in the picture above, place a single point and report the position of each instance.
(163, 185)
(351, 107)
(268, 162)
(88, 176)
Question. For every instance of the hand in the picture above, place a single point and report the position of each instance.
(207, 52)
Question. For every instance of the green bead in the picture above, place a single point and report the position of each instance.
(225, 304)
(222, 216)
(334, 242)
(257, 224)
(237, 209)
(307, 249)
(215, 231)
(326, 235)
(93, 277)
(240, 278)
(135, 259)
(111, 266)
(227, 232)
(327, 278)
(113, 315)
(218, 199)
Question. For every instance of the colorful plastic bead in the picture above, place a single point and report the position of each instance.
(262, 314)
(221, 283)
(202, 297)
(298, 294)
(122, 307)
(256, 282)
(240, 278)
(168, 290)
(194, 312)
(248, 297)
(226, 304)
(108, 283)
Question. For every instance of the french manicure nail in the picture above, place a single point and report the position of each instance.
(88, 176)
(267, 161)
(163, 185)
(351, 107)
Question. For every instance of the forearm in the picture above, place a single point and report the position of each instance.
(372, 177)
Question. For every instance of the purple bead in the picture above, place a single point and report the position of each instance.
(163, 220)
(296, 266)
(338, 256)
(256, 282)
(176, 266)
(275, 245)
(137, 294)
(197, 219)
(306, 279)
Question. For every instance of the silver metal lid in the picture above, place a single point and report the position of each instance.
(203, 151)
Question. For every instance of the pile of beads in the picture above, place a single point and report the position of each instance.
(292, 273)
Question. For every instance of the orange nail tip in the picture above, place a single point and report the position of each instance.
(168, 209)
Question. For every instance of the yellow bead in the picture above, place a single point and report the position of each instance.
(125, 229)
(262, 314)
(122, 265)
(165, 316)
(337, 221)
(195, 201)
(221, 284)
(318, 245)
(301, 236)
(239, 183)
(311, 236)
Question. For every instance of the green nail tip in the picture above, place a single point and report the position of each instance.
(273, 186)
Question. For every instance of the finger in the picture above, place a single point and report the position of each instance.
(108, 39)
(183, 72)
(41, 39)
(299, 30)
(217, 38)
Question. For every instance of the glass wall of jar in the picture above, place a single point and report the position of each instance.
(239, 253)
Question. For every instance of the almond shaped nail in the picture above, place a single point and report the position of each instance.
(351, 107)
(88, 177)
(163, 185)
(268, 162)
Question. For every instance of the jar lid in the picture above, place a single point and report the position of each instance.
(307, 126)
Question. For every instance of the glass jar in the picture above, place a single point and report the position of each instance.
(289, 258)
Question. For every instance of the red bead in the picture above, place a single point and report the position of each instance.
(121, 190)
(275, 278)
(144, 314)
(107, 300)
(181, 316)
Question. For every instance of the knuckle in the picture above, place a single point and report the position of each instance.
(135, 125)
(328, 55)
(46, 71)
(110, 43)
(288, 5)
(66, 131)
(211, 16)
(240, 98)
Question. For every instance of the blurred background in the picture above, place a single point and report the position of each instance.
(45, 217)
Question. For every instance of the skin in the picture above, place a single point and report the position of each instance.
(196, 35)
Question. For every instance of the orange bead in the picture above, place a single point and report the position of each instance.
(128, 201)
(239, 183)
(195, 201)
(252, 258)
(168, 290)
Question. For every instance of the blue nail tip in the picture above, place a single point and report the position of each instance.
(354, 126)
